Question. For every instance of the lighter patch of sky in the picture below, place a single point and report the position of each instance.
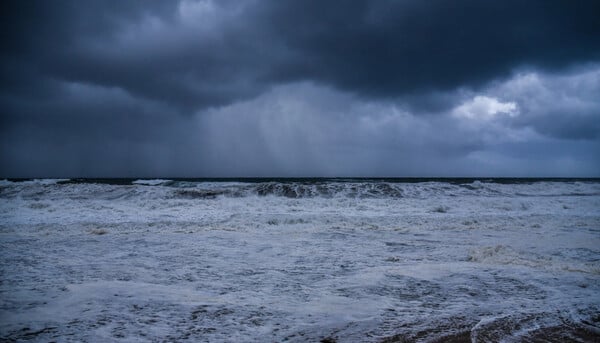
(138, 32)
(208, 16)
(194, 13)
(484, 108)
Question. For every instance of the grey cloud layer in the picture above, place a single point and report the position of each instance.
(335, 133)
(192, 88)
(201, 55)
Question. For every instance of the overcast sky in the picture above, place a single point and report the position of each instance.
(299, 88)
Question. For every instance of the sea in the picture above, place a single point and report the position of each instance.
(300, 260)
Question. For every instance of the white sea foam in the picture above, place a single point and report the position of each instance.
(297, 261)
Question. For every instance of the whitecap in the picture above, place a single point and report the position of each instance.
(151, 182)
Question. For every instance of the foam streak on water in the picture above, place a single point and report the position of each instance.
(351, 260)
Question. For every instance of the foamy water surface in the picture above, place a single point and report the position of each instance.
(350, 260)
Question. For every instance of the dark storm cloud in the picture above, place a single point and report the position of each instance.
(374, 48)
(391, 47)
(129, 88)
(144, 48)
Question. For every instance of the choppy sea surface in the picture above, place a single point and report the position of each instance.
(300, 260)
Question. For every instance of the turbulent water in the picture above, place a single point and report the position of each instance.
(344, 260)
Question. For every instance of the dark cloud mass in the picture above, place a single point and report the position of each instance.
(291, 88)
(391, 47)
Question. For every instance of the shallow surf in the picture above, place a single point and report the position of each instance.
(300, 260)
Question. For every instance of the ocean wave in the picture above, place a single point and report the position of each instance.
(432, 261)
(39, 182)
(196, 194)
(152, 182)
(386, 190)
(355, 189)
(330, 190)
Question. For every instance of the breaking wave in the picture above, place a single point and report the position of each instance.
(318, 259)
(152, 182)
(291, 188)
